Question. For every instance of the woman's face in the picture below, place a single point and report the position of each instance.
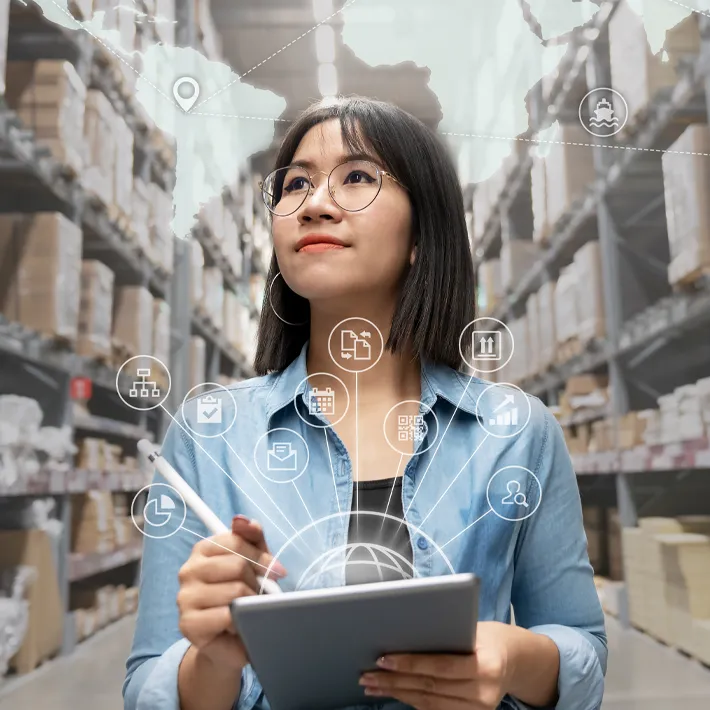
(376, 242)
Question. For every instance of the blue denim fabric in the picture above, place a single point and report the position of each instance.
(538, 565)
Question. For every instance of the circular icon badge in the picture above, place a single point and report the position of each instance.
(164, 512)
(603, 112)
(489, 342)
(210, 412)
(514, 493)
(356, 344)
(324, 400)
(504, 410)
(281, 455)
(402, 429)
(145, 382)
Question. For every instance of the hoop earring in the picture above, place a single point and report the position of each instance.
(271, 303)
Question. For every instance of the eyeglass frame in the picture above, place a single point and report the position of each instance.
(379, 170)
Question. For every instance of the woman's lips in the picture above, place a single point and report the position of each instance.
(322, 246)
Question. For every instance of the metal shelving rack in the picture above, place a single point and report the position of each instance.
(38, 366)
(645, 318)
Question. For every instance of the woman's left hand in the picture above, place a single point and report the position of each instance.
(438, 681)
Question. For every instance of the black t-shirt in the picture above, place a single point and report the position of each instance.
(380, 549)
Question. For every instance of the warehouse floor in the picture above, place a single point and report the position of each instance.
(643, 675)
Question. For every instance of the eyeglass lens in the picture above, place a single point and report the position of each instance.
(353, 186)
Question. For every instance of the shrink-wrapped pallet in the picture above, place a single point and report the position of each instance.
(98, 174)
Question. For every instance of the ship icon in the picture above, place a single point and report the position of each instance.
(604, 116)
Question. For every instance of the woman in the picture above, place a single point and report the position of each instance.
(370, 237)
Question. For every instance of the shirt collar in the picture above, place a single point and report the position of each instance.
(438, 381)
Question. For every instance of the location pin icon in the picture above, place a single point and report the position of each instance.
(186, 103)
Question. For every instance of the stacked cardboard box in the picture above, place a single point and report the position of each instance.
(490, 290)
(516, 259)
(93, 528)
(121, 20)
(40, 265)
(123, 170)
(99, 119)
(569, 170)
(161, 331)
(686, 181)
(631, 430)
(96, 309)
(602, 436)
(161, 233)
(94, 608)
(636, 72)
(547, 330)
(566, 310)
(213, 294)
(590, 293)
(133, 319)
(50, 98)
(584, 392)
(198, 361)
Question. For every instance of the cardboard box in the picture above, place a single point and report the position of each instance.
(123, 168)
(95, 309)
(566, 308)
(686, 184)
(517, 257)
(49, 97)
(133, 319)
(590, 293)
(585, 384)
(161, 233)
(43, 638)
(490, 290)
(93, 523)
(40, 271)
(98, 174)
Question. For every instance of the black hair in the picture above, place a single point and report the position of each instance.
(437, 299)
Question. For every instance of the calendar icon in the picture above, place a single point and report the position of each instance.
(321, 401)
(411, 428)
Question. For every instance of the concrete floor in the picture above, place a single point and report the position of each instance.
(643, 675)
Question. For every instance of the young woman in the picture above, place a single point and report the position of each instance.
(370, 237)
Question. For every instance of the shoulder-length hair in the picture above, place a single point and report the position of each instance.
(437, 299)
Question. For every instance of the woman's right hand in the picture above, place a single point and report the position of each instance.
(211, 578)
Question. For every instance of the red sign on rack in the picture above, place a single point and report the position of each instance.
(80, 388)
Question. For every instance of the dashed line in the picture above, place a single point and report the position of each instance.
(229, 115)
(584, 145)
(315, 27)
(692, 9)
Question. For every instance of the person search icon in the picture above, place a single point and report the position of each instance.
(515, 495)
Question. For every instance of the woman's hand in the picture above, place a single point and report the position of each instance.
(476, 681)
(219, 570)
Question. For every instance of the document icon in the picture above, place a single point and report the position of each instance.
(209, 410)
(282, 457)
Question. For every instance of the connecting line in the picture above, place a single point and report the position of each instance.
(357, 466)
(256, 66)
(438, 446)
(441, 547)
(266, 493)
(315, 527)
(332, 470)
(454, 480)
(216, 544)
(394, 483)
(239, 488)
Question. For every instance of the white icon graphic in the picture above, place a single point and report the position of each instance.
(487, 345)
(515, 495)
(354, 346)
(186, 103)
(509, 417)
(321, 401)
(411, 428)
(282, 457)
(143, 387)
(604, 116)
(159, 509)
(209, 410)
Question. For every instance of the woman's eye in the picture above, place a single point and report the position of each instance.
(295, 185)
(358, 177)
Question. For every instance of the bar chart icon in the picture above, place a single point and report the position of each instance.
(509, 418)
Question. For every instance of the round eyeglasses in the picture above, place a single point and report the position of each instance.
(353, 185)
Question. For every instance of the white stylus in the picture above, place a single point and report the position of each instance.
(196, 504)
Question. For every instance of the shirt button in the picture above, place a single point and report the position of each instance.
(422, 544)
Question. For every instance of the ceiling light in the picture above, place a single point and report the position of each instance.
(325, 44)
(322, 9)
(327, 79)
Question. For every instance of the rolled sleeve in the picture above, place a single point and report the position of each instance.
(553, 587)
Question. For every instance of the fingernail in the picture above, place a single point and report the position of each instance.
(373, 691)
(240, 517)
(385, 662)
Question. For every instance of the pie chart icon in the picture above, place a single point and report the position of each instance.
(158, 511)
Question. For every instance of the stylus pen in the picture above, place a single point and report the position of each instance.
(196, 504)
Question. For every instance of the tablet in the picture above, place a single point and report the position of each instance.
(309, 648)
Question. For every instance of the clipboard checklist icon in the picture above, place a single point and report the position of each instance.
(209, 410)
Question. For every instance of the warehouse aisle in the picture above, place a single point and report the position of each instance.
(643, 675)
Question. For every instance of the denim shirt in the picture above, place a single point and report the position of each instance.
(538, 565)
